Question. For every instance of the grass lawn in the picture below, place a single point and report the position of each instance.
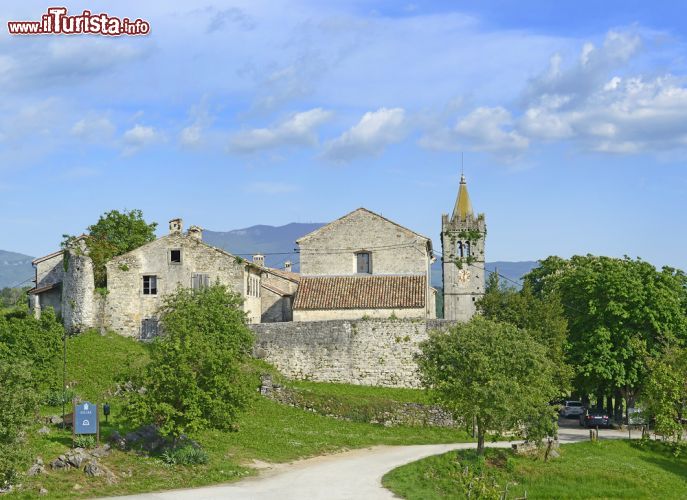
(268, 431)
(606, 469)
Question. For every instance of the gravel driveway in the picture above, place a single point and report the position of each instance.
(353, 474)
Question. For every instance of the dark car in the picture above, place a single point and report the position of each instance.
(595, 418)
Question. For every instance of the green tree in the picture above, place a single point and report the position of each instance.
(542, 317)
(18, 405)
(665, 392)
(491, 373)
(620, 312)
(196, 378)
(37, 341)
(115, 233)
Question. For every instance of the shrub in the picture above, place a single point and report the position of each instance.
(55, 397)
(84, 441)
(188, 455)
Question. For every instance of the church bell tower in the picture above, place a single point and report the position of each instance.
(462, 242)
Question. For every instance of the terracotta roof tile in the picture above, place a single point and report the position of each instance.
(361, 292)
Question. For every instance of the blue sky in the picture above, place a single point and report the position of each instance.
(572, 120)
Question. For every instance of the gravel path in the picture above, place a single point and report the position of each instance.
(354, 474)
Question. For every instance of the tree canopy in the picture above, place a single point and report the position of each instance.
(493, 373)
(115, 233)
(621, 313)
(665, 392)
(542, 317)
(196, 377)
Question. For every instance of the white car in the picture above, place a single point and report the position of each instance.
(572, 409)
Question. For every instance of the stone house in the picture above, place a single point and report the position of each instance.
(47, 289)
(138, 281)
(364, 265)
(277, 290)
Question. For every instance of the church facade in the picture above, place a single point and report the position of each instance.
(462, 241)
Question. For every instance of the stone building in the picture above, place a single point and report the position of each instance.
(138, 281)
(364, 265)
(47, 289)
(278, 288)
(462, 241)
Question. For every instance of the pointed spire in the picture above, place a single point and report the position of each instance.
(463, 207)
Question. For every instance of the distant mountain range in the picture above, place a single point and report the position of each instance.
(15, 268)
(278, 244)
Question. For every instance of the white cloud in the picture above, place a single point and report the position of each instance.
(374, 132)
(271, 188)
(139, 137)
(94, 129)
(489, 129)
(299, 129)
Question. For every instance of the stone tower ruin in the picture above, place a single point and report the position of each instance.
(462, 241)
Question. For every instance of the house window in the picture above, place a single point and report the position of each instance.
(200, 280)
(149, 285)
(253, 286)
(149, 328)
(364, 266)
(175, 256)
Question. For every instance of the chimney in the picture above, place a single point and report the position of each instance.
(259, 259)
(175, 226)
(196, 233)
(287, 266)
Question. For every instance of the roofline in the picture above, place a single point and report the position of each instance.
(368, 211)
(283, 274)
(46, 257)
(243, 261)
(275, 289)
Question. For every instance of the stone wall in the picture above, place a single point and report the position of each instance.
(353, 314)
(366, 352)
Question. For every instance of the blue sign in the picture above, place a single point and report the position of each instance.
(86, 418)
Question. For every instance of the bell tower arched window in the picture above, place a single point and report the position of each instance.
(459, 249)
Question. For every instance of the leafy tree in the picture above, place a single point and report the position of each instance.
(13, 297)
(665, 393)
(542, 317)
(196, 377)
(18, 405)
(115, 233)
(620, 312)
(37, 341)
(491, 373)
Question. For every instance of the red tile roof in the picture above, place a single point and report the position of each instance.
(361, 292)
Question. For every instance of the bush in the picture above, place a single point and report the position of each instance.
(188, 455)
(55, 397)
(84, 441)
(197, 378)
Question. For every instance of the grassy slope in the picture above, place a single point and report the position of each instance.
(268, 431)
(608, 469)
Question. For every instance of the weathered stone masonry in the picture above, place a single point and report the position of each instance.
(366, 352)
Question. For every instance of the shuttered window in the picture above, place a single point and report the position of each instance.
(200, 280)
(363, 263)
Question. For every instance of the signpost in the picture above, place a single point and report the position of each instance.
(86, 420)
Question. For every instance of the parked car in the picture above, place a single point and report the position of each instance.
(571, 409)
(595, 418)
